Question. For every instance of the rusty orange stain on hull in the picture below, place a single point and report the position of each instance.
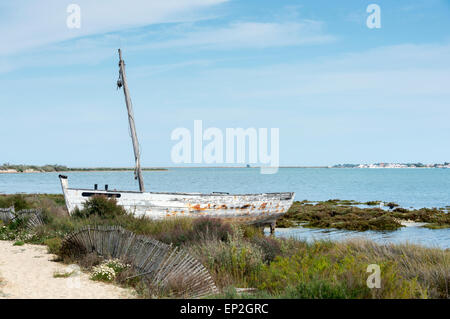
(197, 207)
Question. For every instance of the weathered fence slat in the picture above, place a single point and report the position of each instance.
(33, 217)
(157, 263)
(6, 214)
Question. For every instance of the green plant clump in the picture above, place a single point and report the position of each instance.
(333, 214)
(102, 207)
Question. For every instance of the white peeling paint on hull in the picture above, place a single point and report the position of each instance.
(245, 208)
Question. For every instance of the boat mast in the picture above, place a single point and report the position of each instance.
(123, 82)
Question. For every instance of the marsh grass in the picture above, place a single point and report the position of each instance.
(230, 263)
(429, 267)
(331, 270)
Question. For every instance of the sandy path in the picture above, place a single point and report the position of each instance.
(27, 272)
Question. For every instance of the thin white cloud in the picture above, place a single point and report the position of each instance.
(186, 35)
(29, 24)
(250, 35)
(391, 75)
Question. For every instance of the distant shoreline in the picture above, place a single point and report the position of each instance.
(125, 169)
(14, 171)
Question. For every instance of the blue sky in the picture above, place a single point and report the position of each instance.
(338, 91)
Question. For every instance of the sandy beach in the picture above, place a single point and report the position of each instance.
(28, 272)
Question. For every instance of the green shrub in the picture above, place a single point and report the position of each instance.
(170, 230)
(270, 247)
(101, 206)
(209, 229)
(17, 224)
(251, 231)
(18, 201)
(19, 243)
(53, 245)
(316, 289)
(178, 230)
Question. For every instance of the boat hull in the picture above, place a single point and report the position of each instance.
(263, 208)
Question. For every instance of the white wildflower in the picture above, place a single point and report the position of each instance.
(103, 272)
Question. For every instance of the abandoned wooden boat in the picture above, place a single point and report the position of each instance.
(259, 209)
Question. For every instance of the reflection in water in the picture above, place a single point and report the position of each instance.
(412, 234)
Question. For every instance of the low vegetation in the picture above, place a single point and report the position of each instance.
(24, 168)
(63, 274)
(242, 257)
(19, 243)
(353, 215)
(108, 270)
(61, 168)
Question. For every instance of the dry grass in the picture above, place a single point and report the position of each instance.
(430, 267)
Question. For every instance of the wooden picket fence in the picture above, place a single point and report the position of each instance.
(160, 265)
(33, 217)
(7, 214)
